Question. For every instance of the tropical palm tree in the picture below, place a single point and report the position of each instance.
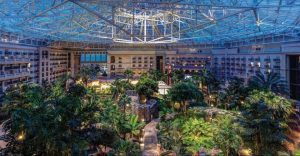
(234, 94)
(146, 87)
(123, 101)
(127, 148)
(157, 75)
(226, 136)
(270, 81)
(134, 125)
(261, 132)
(264, 120)
(183, 92)
(210, 81)
(87, 73)
(128, 74)
(119, 87)
(49, 124)
(170, 137)
(280, 107)
(177, 76)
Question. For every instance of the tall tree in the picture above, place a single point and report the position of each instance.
(183, 92)
(119, 87)
(48, 124)
(197, 133)
(210, 81)
(280, 107)
(86, 73)
(146, 87)
(264, 121)
(226, 135)
(270, 81)
(128, 74)
(177, 76)
(235, 94)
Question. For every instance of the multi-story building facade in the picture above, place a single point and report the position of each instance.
(142, 61)
(139, 61)
(22, 63)
(245, 62)
(53, 64)
(189, 60)
(18, 64)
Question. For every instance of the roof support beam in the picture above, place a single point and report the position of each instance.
(183, 4)
(200, 26)
(42, 13)
(100, 16)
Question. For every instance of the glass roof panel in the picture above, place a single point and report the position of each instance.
(149, 21)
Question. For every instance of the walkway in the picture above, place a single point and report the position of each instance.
(2, 143)
(150, 139)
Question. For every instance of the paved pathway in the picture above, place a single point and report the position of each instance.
(2, 143)
(150, 139)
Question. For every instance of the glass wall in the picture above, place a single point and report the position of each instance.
(102, 58)
(295, 76)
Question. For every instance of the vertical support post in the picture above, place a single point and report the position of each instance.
(145, 27)
(113, 11)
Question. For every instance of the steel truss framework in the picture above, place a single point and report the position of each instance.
(150, 21)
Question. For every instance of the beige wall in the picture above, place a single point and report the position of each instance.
(138, 61)
(53, 64)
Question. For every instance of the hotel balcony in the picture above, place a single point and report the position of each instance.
(12, 60)
(7, 76)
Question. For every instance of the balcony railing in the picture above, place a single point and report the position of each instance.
(10, 60)
(7, 76)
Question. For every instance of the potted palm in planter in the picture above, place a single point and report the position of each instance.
(145, 88)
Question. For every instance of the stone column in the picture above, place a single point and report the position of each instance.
(72, 64)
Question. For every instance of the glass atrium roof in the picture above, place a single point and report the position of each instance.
(149, 21)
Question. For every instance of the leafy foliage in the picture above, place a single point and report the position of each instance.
(86, 73)
(50, 124)
(133, 124)
(280, 107)
(128, 74)
(62, 119)
(177, 76)
(183, 92)
(226, 136)
(270, 82)
(197, 133)
(234, 95)
(263, 126)
(211, 82)
(146, 86)
(186, 135)
(119, 87)
(157, 75)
